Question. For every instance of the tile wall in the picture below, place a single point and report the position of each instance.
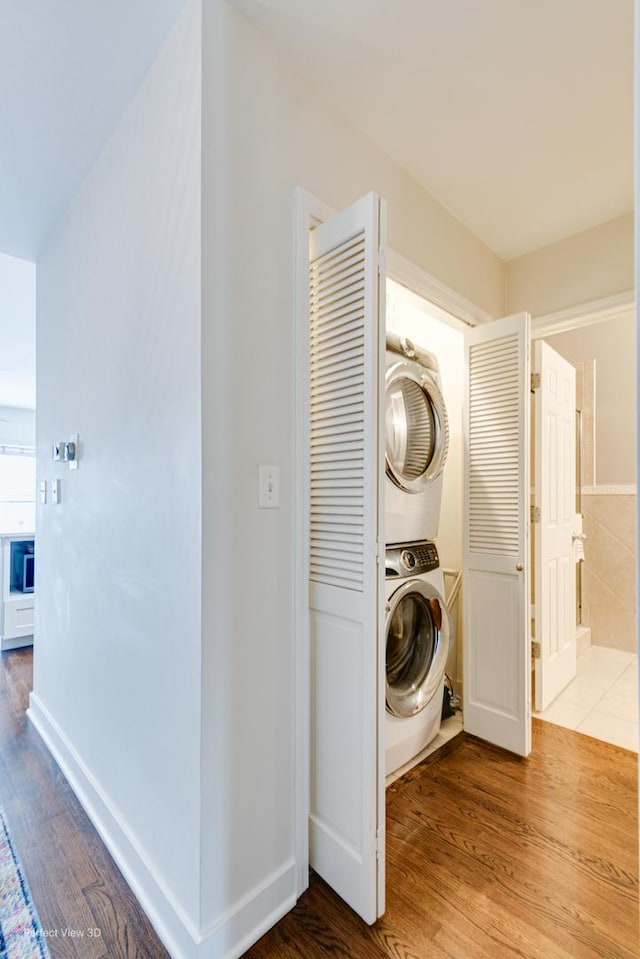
(609, 569)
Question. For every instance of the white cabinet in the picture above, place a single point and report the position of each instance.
(17, 558)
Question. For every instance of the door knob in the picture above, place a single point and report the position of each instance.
(581, 536)
(519, 567)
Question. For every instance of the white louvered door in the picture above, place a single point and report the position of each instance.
(346, 308)
(497, 659)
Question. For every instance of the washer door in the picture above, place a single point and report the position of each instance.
(417, 640)
(416, 427)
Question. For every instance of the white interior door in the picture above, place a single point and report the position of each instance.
(555, 495)
(496, 666)
(346, 827)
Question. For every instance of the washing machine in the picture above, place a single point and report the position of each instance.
(418, 630)
(416, 442)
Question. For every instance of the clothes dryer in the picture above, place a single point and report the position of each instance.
(417, 645)
(416, 442)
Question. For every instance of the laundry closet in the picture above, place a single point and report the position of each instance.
(382, 405)
(424, 374)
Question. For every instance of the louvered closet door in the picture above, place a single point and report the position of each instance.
(497, 659)
(346, 303)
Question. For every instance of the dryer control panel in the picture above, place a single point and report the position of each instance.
(411, 559)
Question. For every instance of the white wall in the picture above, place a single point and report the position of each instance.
(264, 133)
(117, 664)
(17, 426)
(585, 267)
(17, 332)
(613, 346)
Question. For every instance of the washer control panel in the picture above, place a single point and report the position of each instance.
(411, 559)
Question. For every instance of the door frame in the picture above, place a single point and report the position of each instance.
(309, 211)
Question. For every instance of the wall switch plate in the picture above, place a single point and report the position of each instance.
(43, 492)
(269, 487)
(55, 491)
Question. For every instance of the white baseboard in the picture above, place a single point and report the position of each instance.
(583, 638)
(258, 911)
(227, 938)
(17, 643)
(173, 928)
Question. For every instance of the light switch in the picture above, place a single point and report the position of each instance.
(55, 491)
(43, 492)
(269, 487)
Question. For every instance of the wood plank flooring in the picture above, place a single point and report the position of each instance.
(487, 856)
(75, 883)
(491, 856)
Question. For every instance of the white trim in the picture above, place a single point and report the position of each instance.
(617, 306)
(609, 490)
(307, 213)
(257, 912)
(7, 450)
(416, 280)
(173, 927)
(228, 937)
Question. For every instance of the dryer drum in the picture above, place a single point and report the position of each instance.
(410, 428)
(417, 643)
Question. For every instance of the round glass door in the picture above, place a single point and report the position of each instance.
(415, 429)
(416, 648)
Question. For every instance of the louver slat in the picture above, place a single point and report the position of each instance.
(494, 410)
(337, 416)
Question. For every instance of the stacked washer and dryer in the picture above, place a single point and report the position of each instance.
(417, 619)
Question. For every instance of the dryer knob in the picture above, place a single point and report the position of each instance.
(408, 559)
(408, 348)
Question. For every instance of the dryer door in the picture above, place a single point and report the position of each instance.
(417, 645)
(416, 427)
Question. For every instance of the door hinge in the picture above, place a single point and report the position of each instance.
(382, 261)
(535, 381)
(379, 844)
(536, 649)
(535, 514)
(380, 551)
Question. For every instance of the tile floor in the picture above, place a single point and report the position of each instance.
(602, 701)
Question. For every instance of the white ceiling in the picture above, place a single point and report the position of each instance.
(68, 69)
(516, 114)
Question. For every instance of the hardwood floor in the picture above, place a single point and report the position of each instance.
(75, 884)
(487, 856)
(491, 856)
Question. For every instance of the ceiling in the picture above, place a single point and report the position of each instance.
(517, 115)
(68, 69)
